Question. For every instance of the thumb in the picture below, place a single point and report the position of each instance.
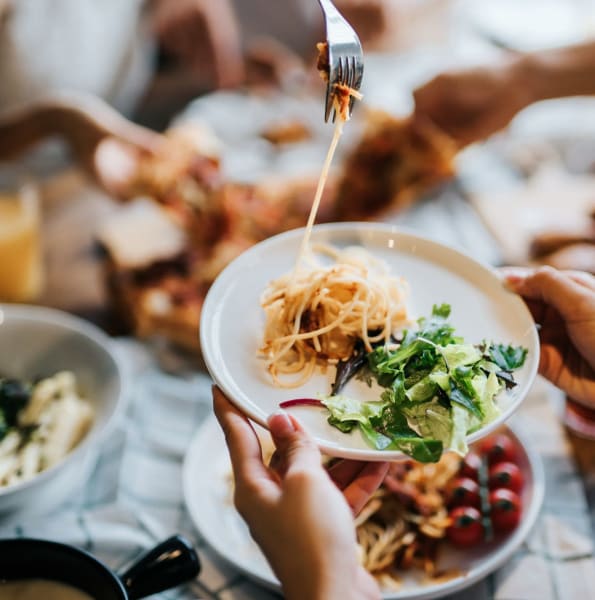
(553, 287)
(295, 449)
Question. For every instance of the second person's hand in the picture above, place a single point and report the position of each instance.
(297, 515)
(563, 305)
(472, 104)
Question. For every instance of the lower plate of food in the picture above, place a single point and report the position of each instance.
(383, 343)
(430, 530)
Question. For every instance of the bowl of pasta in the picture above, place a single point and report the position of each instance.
(61, 391)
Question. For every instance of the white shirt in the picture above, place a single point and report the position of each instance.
(95, 46)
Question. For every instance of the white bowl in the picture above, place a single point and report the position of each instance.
(36, 341)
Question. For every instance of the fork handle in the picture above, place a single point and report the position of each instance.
(331, 12)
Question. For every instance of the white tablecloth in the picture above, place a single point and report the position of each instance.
(133, 497)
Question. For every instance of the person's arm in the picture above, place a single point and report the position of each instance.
(295, 509)
(105, 143)
(558, 73)
(472, 104)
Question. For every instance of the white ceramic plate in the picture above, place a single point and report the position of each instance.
(208, 497)
(232, 322)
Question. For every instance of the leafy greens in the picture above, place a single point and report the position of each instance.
(437, 389)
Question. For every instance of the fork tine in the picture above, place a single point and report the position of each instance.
(351, 79)
(346, 72)
(349, 73)
(340, 78)
(329, 102)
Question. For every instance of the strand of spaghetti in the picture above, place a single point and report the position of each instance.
(322, 330)
(290, 338)
(296, 328)
(307, 373)
(346, 316)
(319, 189)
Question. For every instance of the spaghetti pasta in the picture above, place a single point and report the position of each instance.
(315, 315)
(402, 524)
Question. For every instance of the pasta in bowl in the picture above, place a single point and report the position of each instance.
(61, 391)
(40, 423)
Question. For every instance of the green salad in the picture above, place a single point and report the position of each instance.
(437, 389)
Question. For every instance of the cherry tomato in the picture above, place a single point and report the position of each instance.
(505, 475)
(505, 509)
(466, 528)
(470, 466)
(464, 492)
(498, 448)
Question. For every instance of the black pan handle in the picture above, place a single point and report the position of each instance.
(169, 564)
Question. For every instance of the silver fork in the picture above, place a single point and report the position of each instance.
(345, 55)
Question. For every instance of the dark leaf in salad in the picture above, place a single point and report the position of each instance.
(346, 369)
(507, 378)
(460, 397)
(420, 449)
(508, 357)
(392, 422)
(442, 397)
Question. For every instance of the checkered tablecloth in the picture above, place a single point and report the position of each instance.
(133, 497)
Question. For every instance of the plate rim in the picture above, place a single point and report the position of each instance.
(490, 564)
(360, 228)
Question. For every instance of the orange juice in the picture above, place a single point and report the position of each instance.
(20, 247)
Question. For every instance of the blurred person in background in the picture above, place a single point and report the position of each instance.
(144, 58)
(71, 68)
(109, 49)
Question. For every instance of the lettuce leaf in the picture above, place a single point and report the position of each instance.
(437, 390)
(508, 357)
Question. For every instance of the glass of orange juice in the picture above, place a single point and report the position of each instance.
(21, 268)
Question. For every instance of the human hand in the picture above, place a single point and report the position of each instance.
(202, 34)
(563, 304)
(296, 514)
(472, 104)
(107, 145)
